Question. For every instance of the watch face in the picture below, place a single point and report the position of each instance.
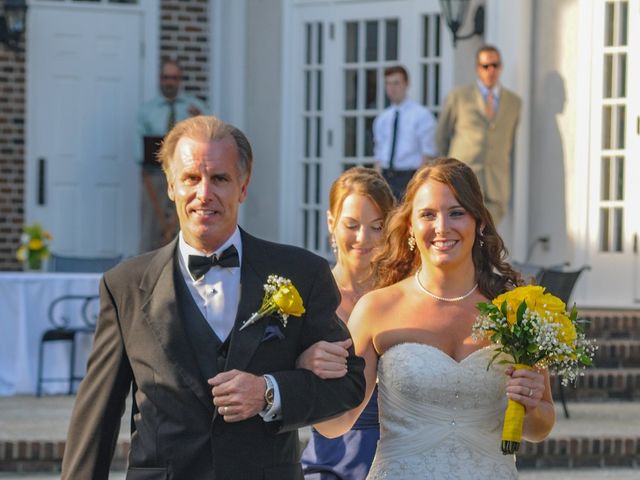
(269, 396)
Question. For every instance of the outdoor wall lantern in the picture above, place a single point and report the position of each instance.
(13, 22)
(455, 11)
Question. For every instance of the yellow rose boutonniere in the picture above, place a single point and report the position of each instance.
(280, 296)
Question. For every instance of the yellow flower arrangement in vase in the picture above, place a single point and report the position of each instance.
(534, 328)
(35, 246)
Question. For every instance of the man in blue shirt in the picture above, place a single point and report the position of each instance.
(156, 117)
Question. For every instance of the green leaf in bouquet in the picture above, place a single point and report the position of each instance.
(493, 358)
(503, 309)
(532, 348)
(520, 312)
(586, 360)
(574, 313)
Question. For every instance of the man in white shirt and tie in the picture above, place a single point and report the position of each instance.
(403, 134)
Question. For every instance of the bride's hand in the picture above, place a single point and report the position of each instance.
(525, 387)
(326, 359)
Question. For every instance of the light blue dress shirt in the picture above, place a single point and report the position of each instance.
(153, 117)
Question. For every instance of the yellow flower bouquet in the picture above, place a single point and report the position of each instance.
(35, 246)
(280, 296)
(534, 328)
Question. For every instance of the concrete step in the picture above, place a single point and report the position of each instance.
(598, 435)
(602, 435)
(610, 324)
(601, 384)
(617, 353)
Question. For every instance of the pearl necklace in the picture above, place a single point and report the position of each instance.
(443, 299)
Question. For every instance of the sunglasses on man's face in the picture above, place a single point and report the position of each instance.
(486, 66)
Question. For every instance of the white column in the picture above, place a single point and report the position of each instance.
(509, 27)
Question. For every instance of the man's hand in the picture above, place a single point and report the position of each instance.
(193, 110)
(326, 359)
(238, 395)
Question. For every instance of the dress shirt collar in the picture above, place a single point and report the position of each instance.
(185, 250)
(402, 105)
(485, 91)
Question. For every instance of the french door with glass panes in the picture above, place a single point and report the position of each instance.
(614, 203)
(341, 51)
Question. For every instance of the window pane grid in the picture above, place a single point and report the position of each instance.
(311, 162)
(370, 46)
(431, 62)
(614, 124)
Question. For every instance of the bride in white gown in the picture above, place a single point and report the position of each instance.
(441, 409)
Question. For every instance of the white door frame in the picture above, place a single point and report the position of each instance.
(620, 285)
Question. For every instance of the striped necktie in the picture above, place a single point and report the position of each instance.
(488, 108)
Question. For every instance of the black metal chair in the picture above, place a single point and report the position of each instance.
(63, 263)
(561, 282)
(66, 330)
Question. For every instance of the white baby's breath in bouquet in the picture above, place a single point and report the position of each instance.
(533, 328)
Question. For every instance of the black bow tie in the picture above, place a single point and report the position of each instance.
(199, 265)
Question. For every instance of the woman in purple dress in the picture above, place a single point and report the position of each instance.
(359, 202)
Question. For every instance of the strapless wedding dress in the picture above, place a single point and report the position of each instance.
(440, 419)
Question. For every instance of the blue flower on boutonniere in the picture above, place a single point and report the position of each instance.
(280, 296)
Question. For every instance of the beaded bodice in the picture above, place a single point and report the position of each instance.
(440, 418)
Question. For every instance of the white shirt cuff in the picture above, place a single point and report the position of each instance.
(275, 412)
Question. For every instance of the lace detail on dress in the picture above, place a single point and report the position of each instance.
(440, 419)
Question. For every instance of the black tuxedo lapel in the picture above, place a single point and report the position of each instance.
(161, 313)
(253, 276)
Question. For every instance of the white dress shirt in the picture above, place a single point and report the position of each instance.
(217, 295)
(415, 136)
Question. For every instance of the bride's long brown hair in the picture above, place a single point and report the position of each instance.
(396, 261)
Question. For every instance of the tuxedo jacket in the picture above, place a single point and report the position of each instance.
(141, 341)
(464, 132)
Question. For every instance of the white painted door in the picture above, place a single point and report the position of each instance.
(337, 89)
(83, 92)
(614, 174)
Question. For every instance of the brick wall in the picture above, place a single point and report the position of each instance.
(12, 106)
(184, 33)
(184, 36)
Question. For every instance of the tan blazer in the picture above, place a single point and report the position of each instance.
(464, 132)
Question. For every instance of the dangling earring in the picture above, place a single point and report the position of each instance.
(412, 242)
(480, 238)
(334, 245)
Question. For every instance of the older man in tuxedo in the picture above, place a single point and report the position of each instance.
(478, 126)
(210, 400)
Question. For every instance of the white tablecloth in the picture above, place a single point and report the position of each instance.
(24, 303)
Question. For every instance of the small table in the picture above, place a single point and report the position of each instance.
(24, 302)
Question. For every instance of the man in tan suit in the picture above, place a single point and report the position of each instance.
(478, 125)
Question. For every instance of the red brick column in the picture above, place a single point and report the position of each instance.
(184, 36)
(12, 139)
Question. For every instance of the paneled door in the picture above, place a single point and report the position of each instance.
(614, 203)
(84, 88)
(337, 90)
